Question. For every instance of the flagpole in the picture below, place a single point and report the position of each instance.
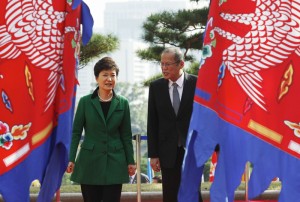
(138, 165)
(246, 181)
(58, 195)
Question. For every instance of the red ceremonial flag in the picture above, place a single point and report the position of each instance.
(246, 100)
(39, 50)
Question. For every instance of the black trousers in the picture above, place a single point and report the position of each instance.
(101, 193)
(171, 179)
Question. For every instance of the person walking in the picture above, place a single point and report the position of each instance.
(106, 157)
(170, 107)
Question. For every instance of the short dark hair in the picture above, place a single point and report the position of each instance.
(106, 63)
(178, 56)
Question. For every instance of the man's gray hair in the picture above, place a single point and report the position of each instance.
(178, 56)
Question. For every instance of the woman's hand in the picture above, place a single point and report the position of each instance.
(131, 169)
(70, 167)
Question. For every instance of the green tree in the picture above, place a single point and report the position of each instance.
(193, 68)
(183, 29)
(99, 44)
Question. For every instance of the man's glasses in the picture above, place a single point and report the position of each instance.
(168, 64)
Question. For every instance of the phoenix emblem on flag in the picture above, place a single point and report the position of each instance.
(32, 29)
(33, 39)
(273, 37)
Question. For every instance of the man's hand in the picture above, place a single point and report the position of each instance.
(155, 164)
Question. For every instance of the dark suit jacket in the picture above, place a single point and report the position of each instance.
(164, 127)
(144, 179)
(107, 147)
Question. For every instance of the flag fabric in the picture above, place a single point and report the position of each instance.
(39, 50)
(246, 100)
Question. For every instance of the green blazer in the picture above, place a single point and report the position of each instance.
(106, 150)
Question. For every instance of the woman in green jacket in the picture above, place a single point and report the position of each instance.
(105, 158)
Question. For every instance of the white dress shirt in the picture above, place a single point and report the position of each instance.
(179, 87)
(132, 178)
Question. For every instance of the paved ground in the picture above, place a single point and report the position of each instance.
(268, 196)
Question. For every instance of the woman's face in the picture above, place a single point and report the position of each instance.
(107, 80)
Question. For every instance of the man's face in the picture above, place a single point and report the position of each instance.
(171, 69)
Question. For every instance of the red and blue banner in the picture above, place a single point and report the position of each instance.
(39, 50)
(246, 100)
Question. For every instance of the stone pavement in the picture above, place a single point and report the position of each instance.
(267, 196)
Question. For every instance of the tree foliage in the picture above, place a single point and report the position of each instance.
(183, 29)
(193, 68)
(99, 44)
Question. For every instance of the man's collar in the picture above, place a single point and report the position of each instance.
(179, 81)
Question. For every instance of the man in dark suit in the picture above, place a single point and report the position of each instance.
(169, 111)
(133, 178)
